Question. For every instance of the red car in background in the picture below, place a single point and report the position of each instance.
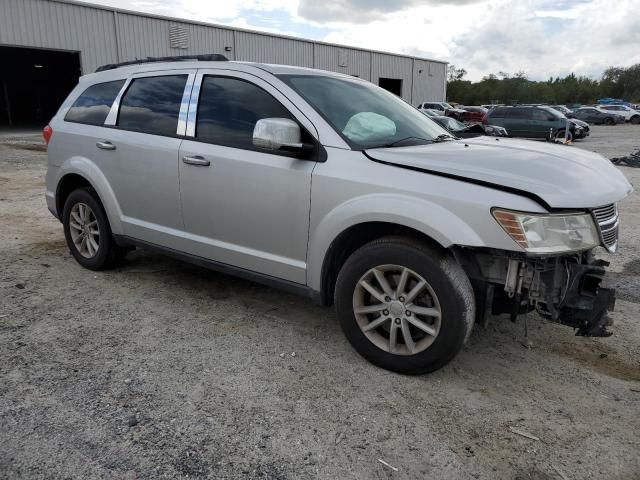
(474, 114)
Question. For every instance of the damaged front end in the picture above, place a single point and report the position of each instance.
(564, 289)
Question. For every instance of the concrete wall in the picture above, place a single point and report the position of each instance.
(105, 35)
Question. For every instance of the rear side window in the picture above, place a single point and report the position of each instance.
(521, 113)
(229, 109)
(152, 104)
(92, 107)
(499, 112)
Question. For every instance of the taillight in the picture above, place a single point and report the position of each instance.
(47, 133)
(485, 119)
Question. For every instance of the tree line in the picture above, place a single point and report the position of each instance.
(616, 82)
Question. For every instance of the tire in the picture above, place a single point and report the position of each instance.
(635, 120)
(447, 290)
(83, 202)
(560, 135)
(609, 121)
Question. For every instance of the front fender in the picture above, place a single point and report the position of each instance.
(87, 169)
(427, 217)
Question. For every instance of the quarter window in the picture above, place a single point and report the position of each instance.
(229, 109)
(152, 104)
(92, 107)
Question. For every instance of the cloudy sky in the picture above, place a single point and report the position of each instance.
(540, 37)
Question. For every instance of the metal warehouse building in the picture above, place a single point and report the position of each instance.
(45, 45)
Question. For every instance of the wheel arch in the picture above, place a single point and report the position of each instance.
(354, 237)
(81, 172)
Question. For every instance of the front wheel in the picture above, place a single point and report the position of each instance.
(609, 121)
(635, 120)
(404, 305)
(560, 135)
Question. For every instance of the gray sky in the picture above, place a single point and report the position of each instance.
(540, 37)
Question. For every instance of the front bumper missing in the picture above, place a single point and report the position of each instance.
(565, 290)
(584, 304)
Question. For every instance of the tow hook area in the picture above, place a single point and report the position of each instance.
(585, 303)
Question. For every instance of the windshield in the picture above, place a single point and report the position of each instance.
(364, 115)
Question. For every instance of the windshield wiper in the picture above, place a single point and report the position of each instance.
(402, 140)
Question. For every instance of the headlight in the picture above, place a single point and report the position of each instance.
(549, 233)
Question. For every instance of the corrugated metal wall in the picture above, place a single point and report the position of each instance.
(108, 36)
(140, 37)
(343, 60)
(428, 81)
(254, 47)
(37, 23)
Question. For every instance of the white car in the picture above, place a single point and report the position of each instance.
(629, 114)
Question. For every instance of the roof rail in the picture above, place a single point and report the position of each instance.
(209, 57)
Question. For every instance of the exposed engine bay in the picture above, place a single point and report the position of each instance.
(563, 289)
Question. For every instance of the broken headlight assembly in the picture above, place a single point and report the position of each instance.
(549, 233)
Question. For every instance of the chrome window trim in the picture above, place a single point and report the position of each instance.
(185, 105)
(112, 116)
(192, 111)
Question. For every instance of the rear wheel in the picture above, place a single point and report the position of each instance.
(87, 231)
(635, 120)
(403, 305)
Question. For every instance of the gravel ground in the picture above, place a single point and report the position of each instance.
(163, 370)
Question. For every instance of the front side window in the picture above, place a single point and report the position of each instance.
(152, 104)
(92, 107)
(366, 116)
(229, 108)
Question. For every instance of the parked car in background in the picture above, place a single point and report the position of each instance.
(444, 108)
(462, 130)
(439, 107)
(532, 122)
(474, 114)
(566, 111)
(597, 116)
(430, 113)
(583, 130)
(411, 234)
(630, 115)
(492, 106)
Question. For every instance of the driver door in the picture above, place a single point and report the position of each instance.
(243, 206)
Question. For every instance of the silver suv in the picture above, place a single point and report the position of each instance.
(326, 185)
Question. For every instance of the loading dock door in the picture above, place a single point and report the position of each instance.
(394, 85)
(33, 84)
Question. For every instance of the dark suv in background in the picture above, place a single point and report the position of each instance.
(532, 122)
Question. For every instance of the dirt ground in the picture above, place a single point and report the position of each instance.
(163, 370)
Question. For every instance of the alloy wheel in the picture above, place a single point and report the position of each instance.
(84, 230)
(397, 309)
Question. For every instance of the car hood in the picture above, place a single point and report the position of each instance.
(562, 176)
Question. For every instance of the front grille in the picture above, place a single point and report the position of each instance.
(607, 219)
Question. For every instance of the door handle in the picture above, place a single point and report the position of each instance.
(196, 160)
(106, 145)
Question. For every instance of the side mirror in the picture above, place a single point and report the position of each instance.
(277, 134)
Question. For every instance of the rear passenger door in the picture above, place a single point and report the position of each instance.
(520, 119)
(142, 149)
(243, 206)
